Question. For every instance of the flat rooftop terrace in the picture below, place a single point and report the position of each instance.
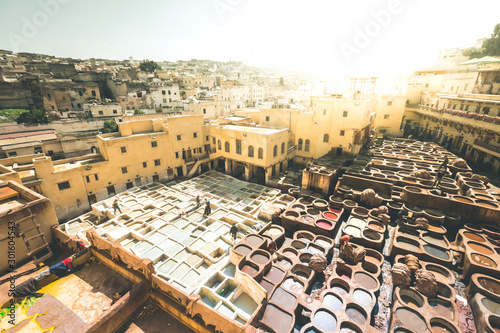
(259, 130)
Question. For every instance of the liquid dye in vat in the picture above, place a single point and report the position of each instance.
(333, 302)
(246, 304)
(226, 290)
(229, 270)
(437, 252)
(365, 280)
(339, 289)
(325, 321)
(283, 298)
(489, 285)
(250, 270)
(268, 286)
(294, 287)
(275, 274)
(491, 305)
(480, 248)
(352, 231)
(442, 309)
(362, 297)
(259, 258)
(324, 224)
(434, 240)
(408, 246)
(411, 320)
(356, 315)
(409, 301)
(208, 301)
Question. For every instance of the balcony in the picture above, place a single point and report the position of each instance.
(463, 117)
(486, 146)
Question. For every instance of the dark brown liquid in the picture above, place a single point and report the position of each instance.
(249, 270)
(259, 258)
(365, 280)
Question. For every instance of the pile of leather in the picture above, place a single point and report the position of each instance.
(352, 255)
(318, 262)
(422, 223)
(401, 275)
(412, 262)
(424, 174)
(425, 282)
(459, 163)
(370, 197)
(482, 178)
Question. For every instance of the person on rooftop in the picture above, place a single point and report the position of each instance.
(116, 206)
(234, 232)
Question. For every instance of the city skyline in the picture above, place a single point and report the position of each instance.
(358, 38)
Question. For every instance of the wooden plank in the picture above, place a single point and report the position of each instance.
(6, 193)
(38, 235)
(38, 249)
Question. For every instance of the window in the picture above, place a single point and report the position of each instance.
(48, 95)
(213, 140)
(389, 103)
(93, 93)
(80, 93)
(238, 147)
(111, 190)
(195, 135)
(115, 111)
(176, 154)
(250, 151)
(306, 147)
(101, 113)
(204, 111)
(467, 108)
(169, 92)
(345, 114)
(300, 144)
(163, 92)
(124, 170)
(145, 164)
(226, 147)
(219, 145)
(207, 138)
(63, 186)
(282, 147)
(342, 132)
(129, 185)
(123, 149)
(267, 118)
(486, 110)
(156, 178)
(178, 137)
(261, 153)
(326, 138)
(88, 179)
(157, 162)
(324, 112)
(275, 151)
(96, 176)
(38, 150)
(386, 116)
(13, 153)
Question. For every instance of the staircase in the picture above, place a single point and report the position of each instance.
(23, 227)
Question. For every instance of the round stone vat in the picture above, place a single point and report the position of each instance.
(442, 326)
(324, 224)
(349, 204)
(333, 301)
(298, 207)
(295, 287)
(320, 204)
(440, 273)
(443, 307)
(304, 235)
(340, 286)
(463, 199)
(487, 204)
(356, 313)
(475, 237)
(377, 226)
(365, 280)
(254, 240)
(324, 319)
(242, 249)
(335, 201)
(305, 201)
(363, 297)
(411, 319)
(330, 215)
(308, 219)
(410, 298)
(313, 211)
(260, 257)
(297, 244)
(291, 214)
(360, 211)
(482, 260)
(408, 244)
(290, 252)
(374, 257)
(372, 235)
(305, 258)
(480, 248)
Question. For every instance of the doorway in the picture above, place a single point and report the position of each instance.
(339, 151)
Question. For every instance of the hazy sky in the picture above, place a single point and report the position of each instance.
(356, 37)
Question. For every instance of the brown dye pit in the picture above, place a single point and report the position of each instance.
(440, 328)
(243, 249)
(437, 252)
(375, 226)
(491, 305)
(463, 199)
(442, 308)
(259, 258)
(409, 301)
(340, 289)
(278, 320)
(250, 270)
(284, 299)
(365, 280)
(411, 319)
(253, 240)
(268, 286)
(275, 274)
(474, 237)
(438, 274)
(289, 254)
(435, 228)
(371, 259)
(480, 248)
(356, 315)
(490, 285)
(483, 260)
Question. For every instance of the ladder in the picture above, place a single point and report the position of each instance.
(23, 231)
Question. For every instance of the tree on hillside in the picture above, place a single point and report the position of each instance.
(33, 117)
(149, 66)
(159, 110)
(491, 46)
(9, 115)
(109, 126)
(139, 111)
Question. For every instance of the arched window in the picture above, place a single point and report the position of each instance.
(275, 151)
(283, 148)
(226, 147)
(250, 151)
(326, 138)
(261, 153)
(219, 145)
(300, 144)
(306, 148)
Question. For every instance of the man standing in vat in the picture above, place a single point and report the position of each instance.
(234, 232)
(208, 210)
(272, 246)
(116, 206)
